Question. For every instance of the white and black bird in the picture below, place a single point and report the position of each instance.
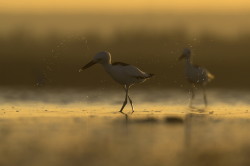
(196, 75)
(123, 73)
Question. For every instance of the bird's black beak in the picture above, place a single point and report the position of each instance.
(181, 57)
(91, 63)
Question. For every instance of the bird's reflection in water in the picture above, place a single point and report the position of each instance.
(193, 120)
(126, 118)
(125, 121)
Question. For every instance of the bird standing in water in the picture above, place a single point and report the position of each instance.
(196, 75)
(123, 73)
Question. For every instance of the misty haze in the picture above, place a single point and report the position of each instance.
(184, 114)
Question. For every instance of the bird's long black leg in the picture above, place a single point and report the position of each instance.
(204, 96)
(131, 103)
(125, 101)
(192, 96)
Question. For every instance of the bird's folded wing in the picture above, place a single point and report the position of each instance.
(135, 72)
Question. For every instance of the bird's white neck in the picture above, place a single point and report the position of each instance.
(188, 64)
(188, 61)
(107, 66)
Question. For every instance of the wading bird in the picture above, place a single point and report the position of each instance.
(123, 73)
(196, 75)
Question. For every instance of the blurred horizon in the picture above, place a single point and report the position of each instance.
(108, 25)
(112, 6)
(44, 44)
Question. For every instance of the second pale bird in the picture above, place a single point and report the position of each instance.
(123, 73)
(196, 75)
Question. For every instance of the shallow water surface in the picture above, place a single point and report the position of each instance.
(85, 128)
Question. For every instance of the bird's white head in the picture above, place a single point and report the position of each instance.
(185, 54)
(103, 57)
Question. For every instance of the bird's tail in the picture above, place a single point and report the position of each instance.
(145, 76)
(150, 75)
(210, 76)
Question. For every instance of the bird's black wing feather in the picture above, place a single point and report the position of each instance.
(120, 63)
